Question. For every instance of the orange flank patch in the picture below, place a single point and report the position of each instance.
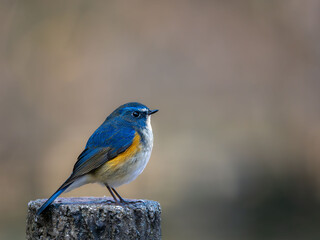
(127, 154)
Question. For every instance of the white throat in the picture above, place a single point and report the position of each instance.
(147, 132)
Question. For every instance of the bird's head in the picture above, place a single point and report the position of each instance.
(133, 113)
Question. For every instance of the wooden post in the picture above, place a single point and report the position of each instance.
(94, 218)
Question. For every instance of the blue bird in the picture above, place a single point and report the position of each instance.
(115, 154)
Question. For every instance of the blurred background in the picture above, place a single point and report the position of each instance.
(236, 153)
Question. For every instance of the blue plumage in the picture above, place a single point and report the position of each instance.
(115, 136)
(117, 140)
(51, 199)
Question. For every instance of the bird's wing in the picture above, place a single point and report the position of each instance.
(103, 145)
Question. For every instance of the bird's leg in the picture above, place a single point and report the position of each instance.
(114, 197)
(121, 199)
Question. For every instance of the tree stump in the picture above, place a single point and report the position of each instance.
(94, 218)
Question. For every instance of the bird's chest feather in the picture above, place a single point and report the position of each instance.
(129, 164)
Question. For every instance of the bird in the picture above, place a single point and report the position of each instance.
(115, 154)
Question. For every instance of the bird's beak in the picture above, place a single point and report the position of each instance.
(152, 111)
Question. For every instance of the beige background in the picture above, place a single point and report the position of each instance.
(236, 152)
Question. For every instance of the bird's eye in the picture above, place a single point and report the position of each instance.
(136, 114)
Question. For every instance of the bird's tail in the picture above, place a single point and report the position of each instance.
(52, 198)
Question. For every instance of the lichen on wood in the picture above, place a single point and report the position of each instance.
(94, 218)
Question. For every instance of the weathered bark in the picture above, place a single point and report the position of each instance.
(94, 218)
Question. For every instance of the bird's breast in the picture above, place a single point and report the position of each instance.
(128, 165)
